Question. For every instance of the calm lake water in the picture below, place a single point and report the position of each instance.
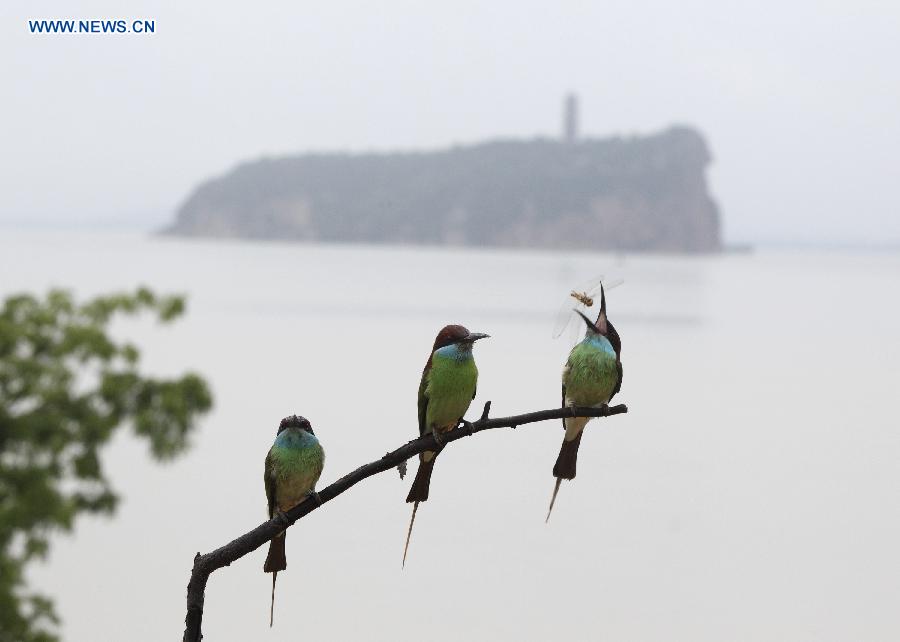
(751, 493)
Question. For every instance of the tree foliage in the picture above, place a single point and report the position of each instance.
(66, 385)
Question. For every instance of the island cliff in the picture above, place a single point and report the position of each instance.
(636, 193)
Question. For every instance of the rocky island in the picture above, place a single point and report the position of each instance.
(636, 193)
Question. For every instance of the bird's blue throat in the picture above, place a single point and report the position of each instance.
(295, 439)
(599, 342)
(456, 351)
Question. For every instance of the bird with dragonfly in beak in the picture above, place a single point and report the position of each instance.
(591, 378)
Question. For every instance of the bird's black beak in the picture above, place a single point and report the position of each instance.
(475, 336)
(601, 318)
(590, 324)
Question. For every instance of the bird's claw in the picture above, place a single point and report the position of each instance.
(282, 518)
(437, 438)
(315, 497)
(469, 426)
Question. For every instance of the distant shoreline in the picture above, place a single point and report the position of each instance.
(151, 230)
(630, 194)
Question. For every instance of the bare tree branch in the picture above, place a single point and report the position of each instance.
(205, 565)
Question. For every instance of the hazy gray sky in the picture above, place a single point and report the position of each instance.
(799, 101)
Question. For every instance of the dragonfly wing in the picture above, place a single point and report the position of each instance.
(564, 317)
(608, 284)
(576, 328)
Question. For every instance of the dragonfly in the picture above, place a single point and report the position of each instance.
(584, 299)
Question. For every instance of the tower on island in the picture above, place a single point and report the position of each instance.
(570, 119)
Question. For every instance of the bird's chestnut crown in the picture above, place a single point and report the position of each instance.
(450, 334)
(295, 421)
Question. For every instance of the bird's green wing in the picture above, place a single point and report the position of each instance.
(269, 479)
(618, 381)
(423, 402)
(320, 464)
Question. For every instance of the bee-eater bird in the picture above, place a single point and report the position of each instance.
(446, 389)
(591, 377)
(293, 466)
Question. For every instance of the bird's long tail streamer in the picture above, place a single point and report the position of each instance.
(272, 606)
(553, 499)
(409, 533)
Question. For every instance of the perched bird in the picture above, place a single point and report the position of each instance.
(293, 466)
(591, 377)
(446, 389)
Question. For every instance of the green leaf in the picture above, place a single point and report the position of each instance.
(66, 386)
